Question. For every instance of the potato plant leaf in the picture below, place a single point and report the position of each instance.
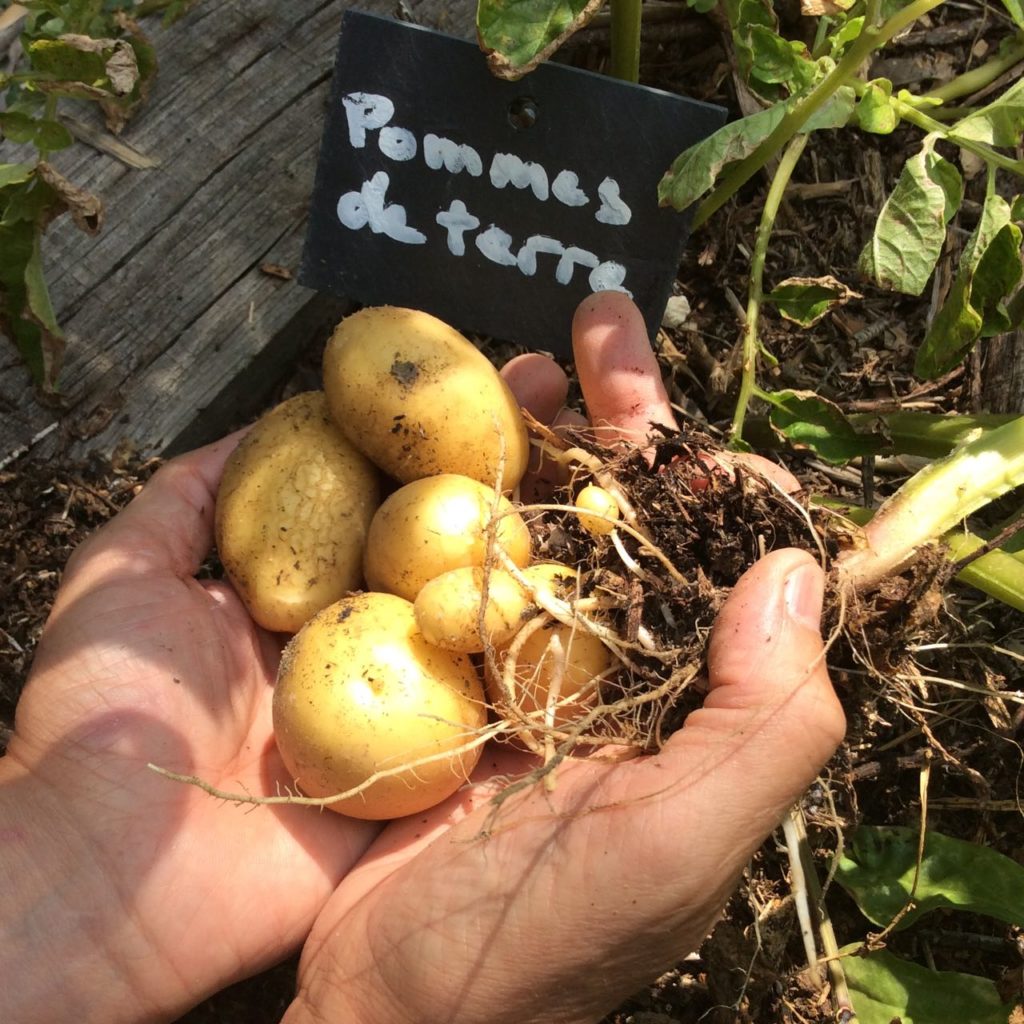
(1001, 123)
(911, 228)
(875, 112)
(696, 169)
(1016, 11)
(41, 133)
(878, 872)
(14, 174)
(806, 300)
(885, 988)
(779, 61)
(989, 271)
(807, 420)
(517, 35)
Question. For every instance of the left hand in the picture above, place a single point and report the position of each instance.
(136, 897)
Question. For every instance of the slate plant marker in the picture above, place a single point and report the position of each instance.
(497, 206)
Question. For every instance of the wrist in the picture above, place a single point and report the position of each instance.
(65, 939)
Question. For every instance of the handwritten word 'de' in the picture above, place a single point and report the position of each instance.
(369, 207)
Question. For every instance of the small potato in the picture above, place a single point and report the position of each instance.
(360, 691)
(597, 499)
(538, 669)
(293, 511)
(553, 579)
(448, 609)
(436, 524)
(419, 399)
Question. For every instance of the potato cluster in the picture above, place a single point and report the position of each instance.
(379, 689)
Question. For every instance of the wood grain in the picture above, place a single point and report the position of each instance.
(174, 332)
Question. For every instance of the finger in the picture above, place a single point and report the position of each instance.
(539, 384)
(771, 719)
(167, 528)
(617, 368)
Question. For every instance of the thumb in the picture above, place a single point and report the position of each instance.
(771, 719)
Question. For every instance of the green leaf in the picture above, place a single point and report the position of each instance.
(875, 112)
(1001, 123)
(66, 62)
(517, 35)
(846, 34)
(780, 61)
(989, 271)
(911, 228)
(806, 300)
(878, 872)
(835, 112)
(884, 989)
(43, 134)
(696, 169)
(1016, 11)
(15, 174)
(807, 420)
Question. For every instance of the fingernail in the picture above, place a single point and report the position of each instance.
(804, 590)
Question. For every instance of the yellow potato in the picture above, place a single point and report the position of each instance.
(597, 499)
(360, 691)
(436, 524)
(419, 399)
(293, 510)
(448, 609)
(538, 669)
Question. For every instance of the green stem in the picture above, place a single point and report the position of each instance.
(755, 293)
(998, 574)
(931, 435)
(930, 125)
(625, 57)
(977, 78)
(935, 500)
(862, 47)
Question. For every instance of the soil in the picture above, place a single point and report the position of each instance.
(928, 678)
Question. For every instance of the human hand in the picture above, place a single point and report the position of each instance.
(563, 903)
(135, 897)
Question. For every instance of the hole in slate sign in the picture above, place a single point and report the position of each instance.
(522, 113)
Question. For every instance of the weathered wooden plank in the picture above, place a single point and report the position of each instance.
(173, 329)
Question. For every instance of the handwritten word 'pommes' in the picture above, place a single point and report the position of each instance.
(371, 112)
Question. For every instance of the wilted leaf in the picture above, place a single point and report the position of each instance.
(805, 300)
(875, 112)
(885, 988)
(86, 209)
(807, 420)
(70, 58)
(989, 271)
(1001, 123)
(911, 229)
(517, 35)
(744, 16)
(878, 872)
(817, 8)
(696, 169)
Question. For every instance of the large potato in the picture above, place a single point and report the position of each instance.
(293, 510)
(436, 524)
(360, 691)
(419, 399)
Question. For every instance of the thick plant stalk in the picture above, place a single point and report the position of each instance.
(625, 56)
(934, 501)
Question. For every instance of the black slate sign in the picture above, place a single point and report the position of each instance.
(497, 206)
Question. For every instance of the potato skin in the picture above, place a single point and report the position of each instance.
(419, 399)
(360, 690)
(293, 511)
(433, 525)
(447, 609)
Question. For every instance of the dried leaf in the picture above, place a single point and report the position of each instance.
(122, 68)
(517, 35)
(86, 209)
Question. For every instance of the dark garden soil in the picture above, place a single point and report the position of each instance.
(929, 680)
